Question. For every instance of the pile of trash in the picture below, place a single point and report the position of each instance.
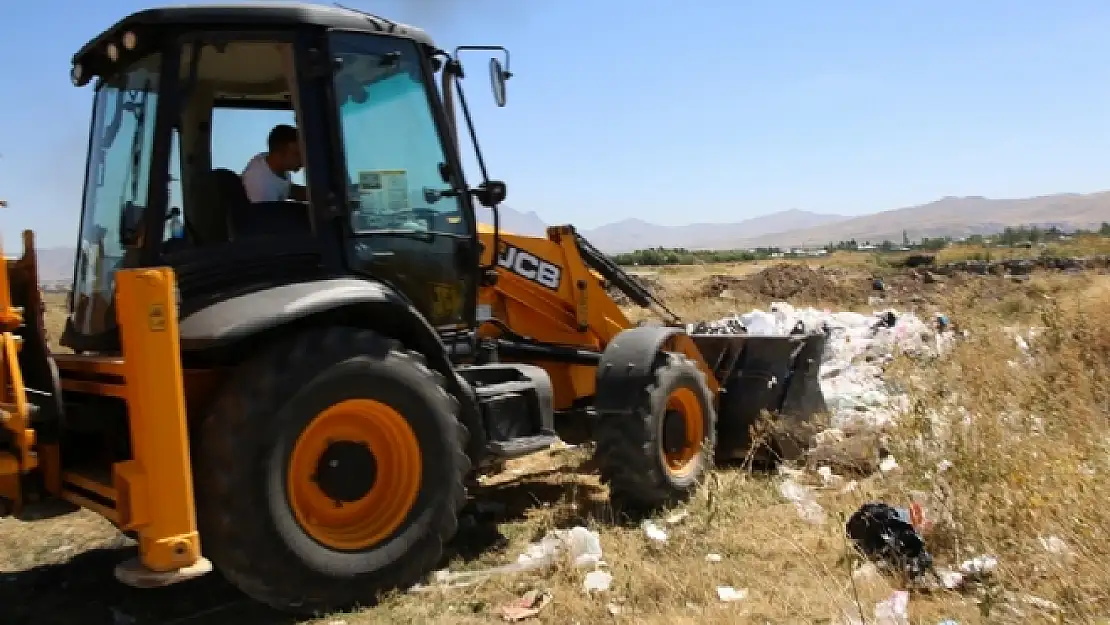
(859, 346)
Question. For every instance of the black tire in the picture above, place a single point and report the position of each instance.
(247, 527)
(630, 445)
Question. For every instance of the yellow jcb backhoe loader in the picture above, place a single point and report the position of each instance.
(295, 392)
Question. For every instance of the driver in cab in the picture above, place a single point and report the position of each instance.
(266, 177)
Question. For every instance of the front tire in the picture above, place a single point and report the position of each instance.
(658, 452)
(330, 471)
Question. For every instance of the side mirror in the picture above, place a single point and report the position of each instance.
(491, 193)
(497, 78)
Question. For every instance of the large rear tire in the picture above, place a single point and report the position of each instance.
(657, 453)
(330, 471)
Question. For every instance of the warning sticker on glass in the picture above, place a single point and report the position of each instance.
(383, 191)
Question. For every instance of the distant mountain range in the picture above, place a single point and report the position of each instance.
(949, 216)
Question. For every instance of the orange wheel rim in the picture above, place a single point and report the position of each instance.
(354, 511)
(683, 461)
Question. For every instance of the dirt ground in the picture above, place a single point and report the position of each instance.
(1013, 486)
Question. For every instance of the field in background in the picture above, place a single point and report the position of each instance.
(1025, 440)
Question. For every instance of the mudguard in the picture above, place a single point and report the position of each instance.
(626, 366)
(236, 318)
(362, 302)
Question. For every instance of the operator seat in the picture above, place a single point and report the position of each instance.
(221, 196)
(227, 205)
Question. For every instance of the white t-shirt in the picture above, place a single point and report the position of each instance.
(262, 184)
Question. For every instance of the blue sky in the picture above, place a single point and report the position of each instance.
(675, 112)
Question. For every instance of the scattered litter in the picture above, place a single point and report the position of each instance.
(677, 517)
(828, 478)
(597, 581)
(803, 499)
(850, 487)
(615, 609)
(654, 533)
(949, 621)
(526, 607)
(885, 536)
(729, 594)
(713, 557)
(582, 545)
(888, 464)
(893, 610)
(980, 565)
(951, 580)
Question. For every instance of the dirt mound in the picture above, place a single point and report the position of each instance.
(718, 285)
(793, 283)
(789, 282)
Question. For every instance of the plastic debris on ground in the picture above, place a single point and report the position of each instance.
(804, 500)
(597, 581)
(654, 533)
(581, 545)
(893, 610)
(729, 594)
(979, 567)
(526, 607)
(677, 517)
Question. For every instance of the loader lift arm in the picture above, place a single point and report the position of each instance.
(620, 279)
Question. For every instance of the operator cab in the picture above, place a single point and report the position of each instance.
(186, 96)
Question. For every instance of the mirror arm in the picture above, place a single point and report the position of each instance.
(454, 67)
(501, 49)
(471, 131)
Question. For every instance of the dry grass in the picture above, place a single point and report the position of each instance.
(1087, 245)
(1025, 436)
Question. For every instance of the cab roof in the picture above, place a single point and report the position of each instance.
(253, 15)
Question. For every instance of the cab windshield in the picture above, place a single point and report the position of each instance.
(395, 159)
(116, 186)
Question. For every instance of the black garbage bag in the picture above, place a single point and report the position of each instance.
(886, 320)
(885, 537)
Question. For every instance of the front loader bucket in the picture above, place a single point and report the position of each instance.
(779, 374)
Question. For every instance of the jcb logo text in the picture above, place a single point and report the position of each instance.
(526, 265)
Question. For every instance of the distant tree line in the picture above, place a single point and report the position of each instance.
(658, 256)
(1009, 237)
